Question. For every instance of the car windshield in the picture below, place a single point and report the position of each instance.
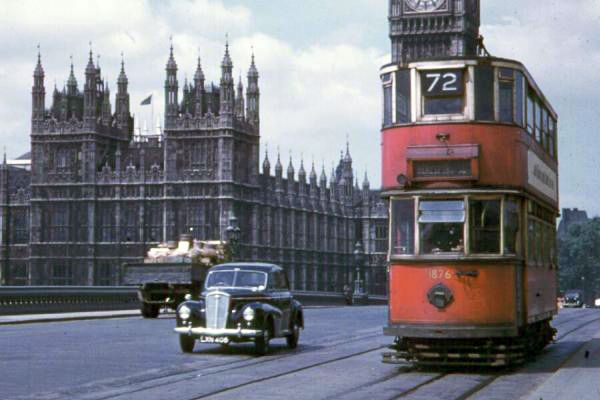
(236, 278)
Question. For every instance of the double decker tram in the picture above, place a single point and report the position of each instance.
(470, 171)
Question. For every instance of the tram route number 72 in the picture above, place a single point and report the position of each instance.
(442, 82)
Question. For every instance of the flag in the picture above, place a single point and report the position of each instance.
(146, 101)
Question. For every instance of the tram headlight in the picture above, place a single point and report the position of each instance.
(184, 313)
(249, 314)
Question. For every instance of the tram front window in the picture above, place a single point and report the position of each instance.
(441, 225)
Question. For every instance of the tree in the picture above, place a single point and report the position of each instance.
(579, 258)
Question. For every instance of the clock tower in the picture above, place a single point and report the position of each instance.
(429, 29)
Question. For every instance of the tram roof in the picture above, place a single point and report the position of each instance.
(447, 62)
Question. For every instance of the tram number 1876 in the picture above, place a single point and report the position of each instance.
(440, 273)
(442, 82)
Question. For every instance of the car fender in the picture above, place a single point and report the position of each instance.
(297, 312)
(264, 311)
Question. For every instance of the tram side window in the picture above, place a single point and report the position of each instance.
(403, 96)
(519, 98)
(484, 93)
(403, 227)
(511, 226)
(530, 113)
(484, 221)
(552, 135)
(545, 130)
(531, 252)
(441, 224)
(538, 123)
(506, 101)
(387, 99)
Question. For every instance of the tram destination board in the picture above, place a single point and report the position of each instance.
(442, 168)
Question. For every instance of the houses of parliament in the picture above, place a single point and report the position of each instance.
(91, 195)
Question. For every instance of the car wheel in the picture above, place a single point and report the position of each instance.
(186, 343)
(150, 310)
(292, 339)
(261, 343)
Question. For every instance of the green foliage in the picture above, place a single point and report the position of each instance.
(579, 258)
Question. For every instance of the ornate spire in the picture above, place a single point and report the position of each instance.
(313, 173)
(290, 168)
(323, 177)
(301, 171)
(199, 75)
(122, 76)
(366, 183)
(72, 81)
(226, 58)
(39, 70)
(278, 166)
(90, 68)
(252, 72)
(347, 158)
(171, 64)
(266, 162)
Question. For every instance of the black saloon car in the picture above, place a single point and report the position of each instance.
(241, 302)
(573, 298)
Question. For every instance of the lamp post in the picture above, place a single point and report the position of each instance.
(233, 233)
(359, 259)
(583, 289)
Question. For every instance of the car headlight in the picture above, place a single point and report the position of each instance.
(184, 312)
(597, 302)
(248, 314)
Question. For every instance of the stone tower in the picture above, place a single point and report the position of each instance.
(426, 29)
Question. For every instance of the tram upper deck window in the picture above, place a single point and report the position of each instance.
(538, 123)
(530, 112)
(443, 91)
(403, 227)
(441, 224)
(506, 94)
(387, 99)
(552, 135)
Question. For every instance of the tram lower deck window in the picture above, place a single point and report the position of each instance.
(441, 224)
(403, 227)
(484, 221)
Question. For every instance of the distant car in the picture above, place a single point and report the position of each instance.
(573, 298)
(241, 302)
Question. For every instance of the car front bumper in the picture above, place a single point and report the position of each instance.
(201, 331)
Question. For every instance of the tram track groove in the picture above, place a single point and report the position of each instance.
(290, 372)
(250, 361)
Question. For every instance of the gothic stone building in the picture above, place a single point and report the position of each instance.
(98, 196)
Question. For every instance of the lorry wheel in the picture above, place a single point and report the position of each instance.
(186, 343)
(150, 310)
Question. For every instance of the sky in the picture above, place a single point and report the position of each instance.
(319, 66)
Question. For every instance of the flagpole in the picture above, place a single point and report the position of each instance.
(152, 112)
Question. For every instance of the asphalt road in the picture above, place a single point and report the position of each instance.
(339, 357)
(50, 357)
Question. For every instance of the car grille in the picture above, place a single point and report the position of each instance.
(217, 309)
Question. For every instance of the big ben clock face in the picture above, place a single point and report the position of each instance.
(424, 6)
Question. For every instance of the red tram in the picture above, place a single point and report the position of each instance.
(470, 170)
